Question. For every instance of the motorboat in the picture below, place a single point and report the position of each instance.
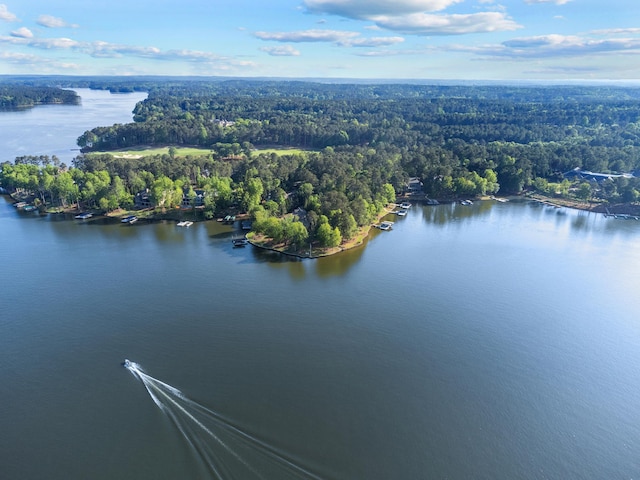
(239, 242)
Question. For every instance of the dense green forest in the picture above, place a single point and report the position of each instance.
(361, 142)
(18, 96)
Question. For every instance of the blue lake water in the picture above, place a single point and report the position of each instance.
(496, 341)
(54, 129)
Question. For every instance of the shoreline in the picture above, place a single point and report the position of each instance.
(259, 241)
(355, 242)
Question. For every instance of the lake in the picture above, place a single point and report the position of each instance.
(54, 129)
(493, 341)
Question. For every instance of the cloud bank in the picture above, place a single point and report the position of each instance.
(415, 17)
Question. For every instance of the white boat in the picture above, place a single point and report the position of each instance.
(83, 216)
(385, 225)
(401, 213)
(405, 205)
(185, 223)
(129, 219)
(466, 202)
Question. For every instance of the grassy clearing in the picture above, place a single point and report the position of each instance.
(279, 151)
(140, 152)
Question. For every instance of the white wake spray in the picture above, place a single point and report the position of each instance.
(226, 450)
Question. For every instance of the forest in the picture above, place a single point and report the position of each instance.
(18, 96)
(357, 147)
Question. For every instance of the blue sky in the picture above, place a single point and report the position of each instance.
(383, 39)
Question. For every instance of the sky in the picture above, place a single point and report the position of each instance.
(354, 39)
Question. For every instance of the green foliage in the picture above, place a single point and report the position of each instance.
(584, 191)
(165, 193)
(356, 146)
(294, 232)
(21, 96)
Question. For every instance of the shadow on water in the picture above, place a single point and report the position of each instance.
(337, 265)
(448, 213)
(295, 266)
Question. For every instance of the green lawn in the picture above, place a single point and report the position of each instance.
(184, 151)
(279, 151)
(147, 151)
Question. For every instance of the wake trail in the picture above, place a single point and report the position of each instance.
(197, 423)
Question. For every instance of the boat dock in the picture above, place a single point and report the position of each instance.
(384, 225)
(621, 216)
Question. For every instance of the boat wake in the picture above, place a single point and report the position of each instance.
(225, 450)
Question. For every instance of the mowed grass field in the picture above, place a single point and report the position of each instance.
(140, 152)
(149, 151)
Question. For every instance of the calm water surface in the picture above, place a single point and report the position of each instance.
(493, 341)
(499, 341)
(54, 129)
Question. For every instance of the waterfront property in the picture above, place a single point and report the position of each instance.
(579, 174)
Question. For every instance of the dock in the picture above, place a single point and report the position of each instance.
(384, 225)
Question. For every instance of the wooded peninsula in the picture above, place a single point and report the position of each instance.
(339, 152)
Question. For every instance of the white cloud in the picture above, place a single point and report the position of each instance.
(415, 17)
(617, 31)
(389, 53)
(43, 43)
(22, 32)
(365, 9)
(373, 42)
(6, 15)
(281, 51)
(44, 64)
(100, 49)
(307, 36)
(557, 2)
(53, 22)
(338, 37)
(554, 46)
(457, 24)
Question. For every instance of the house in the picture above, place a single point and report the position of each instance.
(414, 185)
(142, 199)
(579, 174)
(198, 199)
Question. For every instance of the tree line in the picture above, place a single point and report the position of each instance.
(363, 142)
(18, 96)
